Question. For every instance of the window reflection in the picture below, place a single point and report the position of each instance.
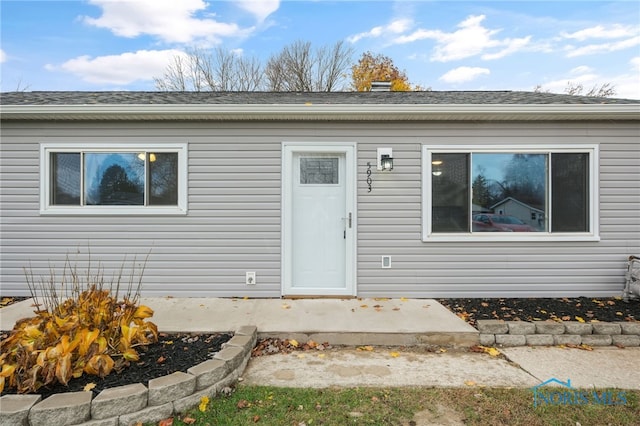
(163, 178)
(134, 178)
(114, 179)
(509, 192)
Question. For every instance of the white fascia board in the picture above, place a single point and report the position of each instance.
(339, 112)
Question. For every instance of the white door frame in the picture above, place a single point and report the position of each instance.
(348, 149)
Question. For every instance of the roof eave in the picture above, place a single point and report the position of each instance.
(324, 112)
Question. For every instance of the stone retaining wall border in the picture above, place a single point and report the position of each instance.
(130, 404)
(552, 333)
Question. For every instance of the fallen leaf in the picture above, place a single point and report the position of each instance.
(394, 354)
(161, 360)
(168, 342)
(579, 319)
(364, 306)
(485, 304)
(204, 402)
(485, 349)
(188, 420)
(619, 313)
(396, 309)
(294, 343)
(245, 298)
(301, 355)
(492, 351)
(243, 403)
(166, 422)
(381, 299)
(403, 299)
(470, 383)
(285, 306)
(442, 350)
(256, 418)
(365, 348)
(566, 318)
(321, 355)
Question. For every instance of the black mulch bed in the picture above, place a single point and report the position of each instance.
(536, 309)
(175, 352)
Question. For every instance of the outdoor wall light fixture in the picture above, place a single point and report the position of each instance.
(385, 159)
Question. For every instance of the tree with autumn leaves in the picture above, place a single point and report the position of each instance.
(298, 67)
(379, 67)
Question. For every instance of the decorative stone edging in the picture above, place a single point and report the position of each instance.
(550, 333)
(130, 404)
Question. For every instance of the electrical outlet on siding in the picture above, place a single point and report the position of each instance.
(250, 278)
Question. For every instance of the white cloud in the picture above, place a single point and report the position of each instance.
(615, 31)
(626, 85)
(512, 46)
(119, 69)
(397, 26)
(171, 21)
(470, 39)
(259, 8)
(464, 74)
(592, 49)
(3, 56)
(583, 69)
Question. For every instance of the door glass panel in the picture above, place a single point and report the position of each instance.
(315, 170)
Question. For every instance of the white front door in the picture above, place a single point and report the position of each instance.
(318, 219)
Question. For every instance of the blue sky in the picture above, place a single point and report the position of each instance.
(444, 45)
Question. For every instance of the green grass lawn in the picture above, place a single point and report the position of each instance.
(404, 406)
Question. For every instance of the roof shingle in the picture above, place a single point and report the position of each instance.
(297, 98)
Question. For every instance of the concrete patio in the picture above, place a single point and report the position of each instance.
(381, 321)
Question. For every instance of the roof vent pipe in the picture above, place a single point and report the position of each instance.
(380, 86)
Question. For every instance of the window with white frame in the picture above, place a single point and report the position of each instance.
(499, 193)
(110, 179)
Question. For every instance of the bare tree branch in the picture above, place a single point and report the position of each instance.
(297, 67)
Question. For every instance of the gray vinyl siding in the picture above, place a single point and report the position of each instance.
(233, 224)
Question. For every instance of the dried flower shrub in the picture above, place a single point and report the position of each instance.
(81, 326)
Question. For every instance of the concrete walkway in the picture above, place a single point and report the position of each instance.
(524, 367)
(339, 321)
(387, 325)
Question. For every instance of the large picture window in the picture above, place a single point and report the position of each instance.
(113, 180)
(494, 193)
